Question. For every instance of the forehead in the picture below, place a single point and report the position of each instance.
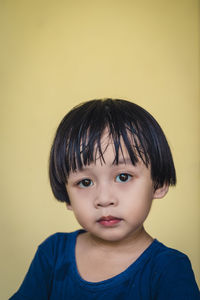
(107, 150)
(83, 150)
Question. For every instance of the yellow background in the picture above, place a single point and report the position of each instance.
(55, 54)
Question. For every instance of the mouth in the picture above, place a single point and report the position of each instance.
(109, 221)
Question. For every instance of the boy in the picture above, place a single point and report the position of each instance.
(108, 161)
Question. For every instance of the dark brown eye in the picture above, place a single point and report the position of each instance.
(85, 182)
(123, 177)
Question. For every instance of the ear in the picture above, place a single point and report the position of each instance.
(69, 207)
(161, 191)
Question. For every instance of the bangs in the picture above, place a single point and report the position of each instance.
(88, 148)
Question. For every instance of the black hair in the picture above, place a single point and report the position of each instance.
(78, 141)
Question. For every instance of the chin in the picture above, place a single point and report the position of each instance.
(110, 236)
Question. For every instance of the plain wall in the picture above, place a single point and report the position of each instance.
(55, 54)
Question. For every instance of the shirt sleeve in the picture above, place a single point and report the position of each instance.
(177, 280)
(37, 282)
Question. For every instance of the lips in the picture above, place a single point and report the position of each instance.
(109, 221)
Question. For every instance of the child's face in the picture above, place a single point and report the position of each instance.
(112, 201)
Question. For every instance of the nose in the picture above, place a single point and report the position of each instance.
(105, 197)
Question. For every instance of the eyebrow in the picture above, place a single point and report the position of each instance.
(121, 161)
(124, 161)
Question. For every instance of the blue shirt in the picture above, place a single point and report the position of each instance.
(160, 273)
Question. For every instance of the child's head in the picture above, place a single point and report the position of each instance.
(78, 141)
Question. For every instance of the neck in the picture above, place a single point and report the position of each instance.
(138, 240)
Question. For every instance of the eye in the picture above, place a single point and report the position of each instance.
(123, 177)
(85, 183)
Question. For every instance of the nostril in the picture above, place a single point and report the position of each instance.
(105, 204)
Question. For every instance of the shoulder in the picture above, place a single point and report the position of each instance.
(169, 259)
(165, 261)
(163, 255)
(172, 272)
(57, 243)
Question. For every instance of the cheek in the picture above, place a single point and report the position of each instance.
(138, 201)
(138, 207)
(137, 213)
(80, 205)
(138, 191)
(80, 213)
